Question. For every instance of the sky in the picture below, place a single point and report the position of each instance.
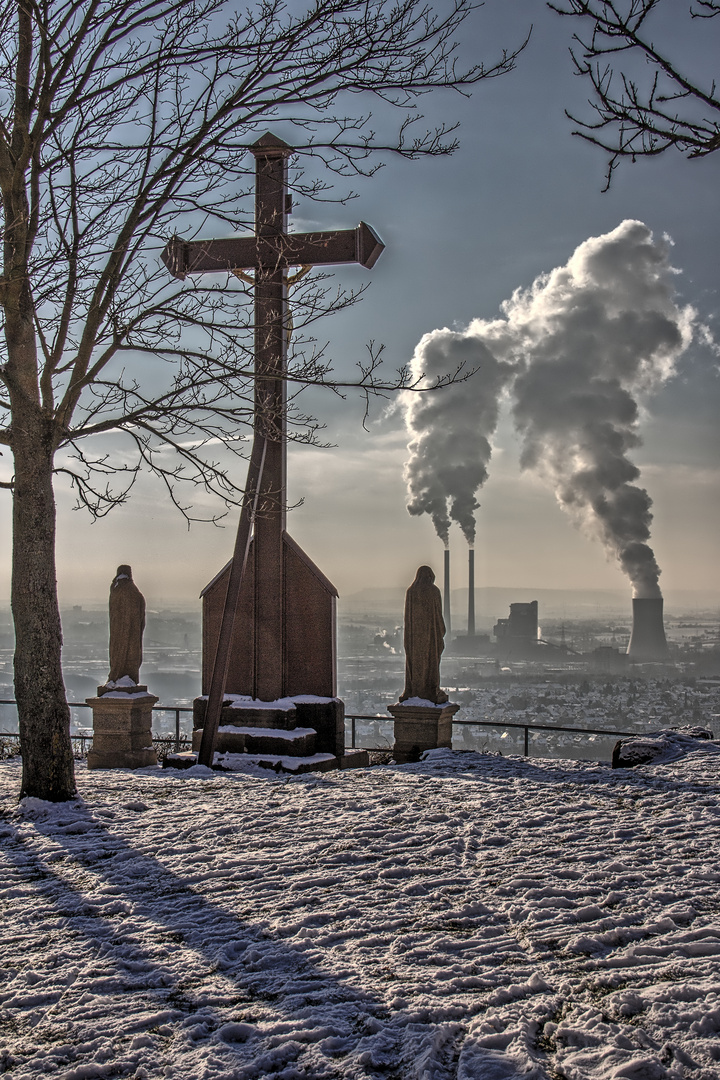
(462, 234)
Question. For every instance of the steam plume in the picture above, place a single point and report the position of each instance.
(450, 429)
(582, 344)
(596, 333)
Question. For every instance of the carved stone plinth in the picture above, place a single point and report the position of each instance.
(421, 727)
(122, 731)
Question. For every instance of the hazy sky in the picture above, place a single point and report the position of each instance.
(462, 234)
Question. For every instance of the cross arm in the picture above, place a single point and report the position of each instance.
(360, 245)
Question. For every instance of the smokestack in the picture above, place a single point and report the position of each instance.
(647, 641)
(471, 592)
(446, 612)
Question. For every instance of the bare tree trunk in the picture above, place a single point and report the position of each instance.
(39, 689)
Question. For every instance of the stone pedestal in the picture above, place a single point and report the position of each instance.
(122, 730)
(421, 727)
(327, 717)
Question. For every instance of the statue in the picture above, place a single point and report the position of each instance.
(122, 710)
(127, 622)
(424, 639)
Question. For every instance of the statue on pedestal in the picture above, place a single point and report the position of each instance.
(127, 622)
(424, 639)
(122, 710)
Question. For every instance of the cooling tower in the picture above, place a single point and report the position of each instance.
(647, 641)
(446, 606)
(471, 593)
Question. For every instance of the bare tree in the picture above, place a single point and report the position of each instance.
(122, 121)
(651, 104)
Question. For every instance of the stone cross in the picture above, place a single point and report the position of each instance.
(268, 252)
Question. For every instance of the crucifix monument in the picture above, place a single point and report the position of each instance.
(285, 606)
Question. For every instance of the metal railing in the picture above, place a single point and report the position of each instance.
(178, 738)
(525, 728)
(176, 709)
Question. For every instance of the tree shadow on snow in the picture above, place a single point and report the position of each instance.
(136, 917)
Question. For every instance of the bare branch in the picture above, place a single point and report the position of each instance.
(650, 104)
(122, 122)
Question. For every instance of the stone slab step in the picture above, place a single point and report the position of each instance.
(352, 759)
(183, 759)
(248, 712)
(355, 759)
(233, 739)
(277, 762)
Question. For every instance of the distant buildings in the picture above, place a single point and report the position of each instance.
(517, 635)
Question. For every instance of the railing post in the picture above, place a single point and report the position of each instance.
(352, 744)
(527, 738)
(177, 730)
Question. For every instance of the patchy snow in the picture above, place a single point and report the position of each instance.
(422, 702)
(248, 762)
(271, 733)
(124, 680)
(126, 696)
(242, 701)
(469, 917)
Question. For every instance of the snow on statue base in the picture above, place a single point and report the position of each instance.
(122, 730)
(420, 725)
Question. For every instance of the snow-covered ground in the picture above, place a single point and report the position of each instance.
(471, 916)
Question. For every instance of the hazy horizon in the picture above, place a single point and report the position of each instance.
(384, 599)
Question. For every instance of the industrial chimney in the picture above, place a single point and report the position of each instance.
(471, 593)
(446, 611)
(647, 641)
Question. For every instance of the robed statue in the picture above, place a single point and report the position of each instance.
(127, 622)
(424, 639)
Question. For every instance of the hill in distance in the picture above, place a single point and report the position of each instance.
(492, 603)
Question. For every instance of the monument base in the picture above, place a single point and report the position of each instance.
(122, 731)
(352, 759)
(290, 733)
(421, 727)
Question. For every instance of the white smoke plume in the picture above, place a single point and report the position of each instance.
(451, 428)
(597, 333)
(582, 344)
